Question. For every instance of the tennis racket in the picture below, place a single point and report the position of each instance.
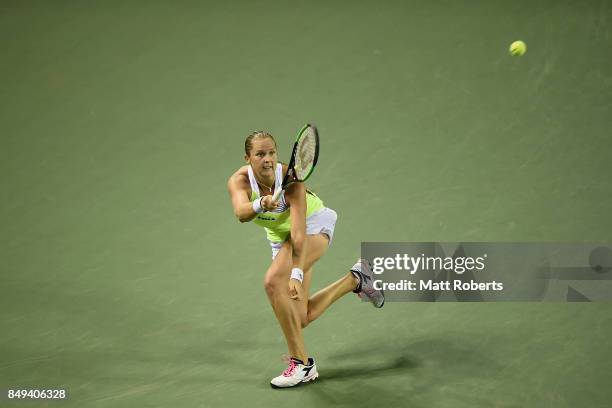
(303, 158)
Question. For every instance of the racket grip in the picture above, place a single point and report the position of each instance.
(277, 194)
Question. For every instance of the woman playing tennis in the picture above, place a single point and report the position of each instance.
(300, 229)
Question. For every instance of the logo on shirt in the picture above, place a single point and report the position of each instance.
(259, 217)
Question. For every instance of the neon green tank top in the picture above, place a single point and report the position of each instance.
(277, 223)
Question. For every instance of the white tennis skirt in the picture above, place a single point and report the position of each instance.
(320, 222)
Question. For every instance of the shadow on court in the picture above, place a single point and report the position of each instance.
(395, 366)
(395, 374)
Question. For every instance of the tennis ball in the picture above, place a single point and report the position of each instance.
(518, 48)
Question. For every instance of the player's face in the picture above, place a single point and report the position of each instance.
(263, 157)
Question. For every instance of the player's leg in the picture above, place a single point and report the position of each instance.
(359, 278)
(301, 306)
(301, 368)
(317, 245)
(308, 309)
(277, 288)
(324, 298)
(276, 285)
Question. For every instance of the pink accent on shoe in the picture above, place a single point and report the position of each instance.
(289, 371)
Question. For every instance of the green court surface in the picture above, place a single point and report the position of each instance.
(126, 279)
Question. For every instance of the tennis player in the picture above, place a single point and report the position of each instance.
(300, 229)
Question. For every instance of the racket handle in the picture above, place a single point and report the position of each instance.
(277, 194)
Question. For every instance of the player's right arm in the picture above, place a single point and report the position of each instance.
(238, 187)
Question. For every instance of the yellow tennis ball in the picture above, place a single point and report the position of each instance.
(518, 48)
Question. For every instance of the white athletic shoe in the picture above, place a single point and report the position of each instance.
(297, 373)
(365, 288)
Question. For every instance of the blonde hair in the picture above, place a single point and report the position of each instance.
(260, 134)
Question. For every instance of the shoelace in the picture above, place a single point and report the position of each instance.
(289, 371)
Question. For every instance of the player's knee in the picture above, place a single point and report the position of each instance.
(271, 285)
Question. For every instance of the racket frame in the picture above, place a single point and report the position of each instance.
(290, 167)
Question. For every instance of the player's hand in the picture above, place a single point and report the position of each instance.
(268, 204)
(296, 292)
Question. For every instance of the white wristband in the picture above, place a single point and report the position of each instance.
(297, 274)
(257, 206)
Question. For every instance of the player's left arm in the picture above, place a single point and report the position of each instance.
(295, 196)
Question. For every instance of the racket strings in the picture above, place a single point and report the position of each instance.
(305, 154)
